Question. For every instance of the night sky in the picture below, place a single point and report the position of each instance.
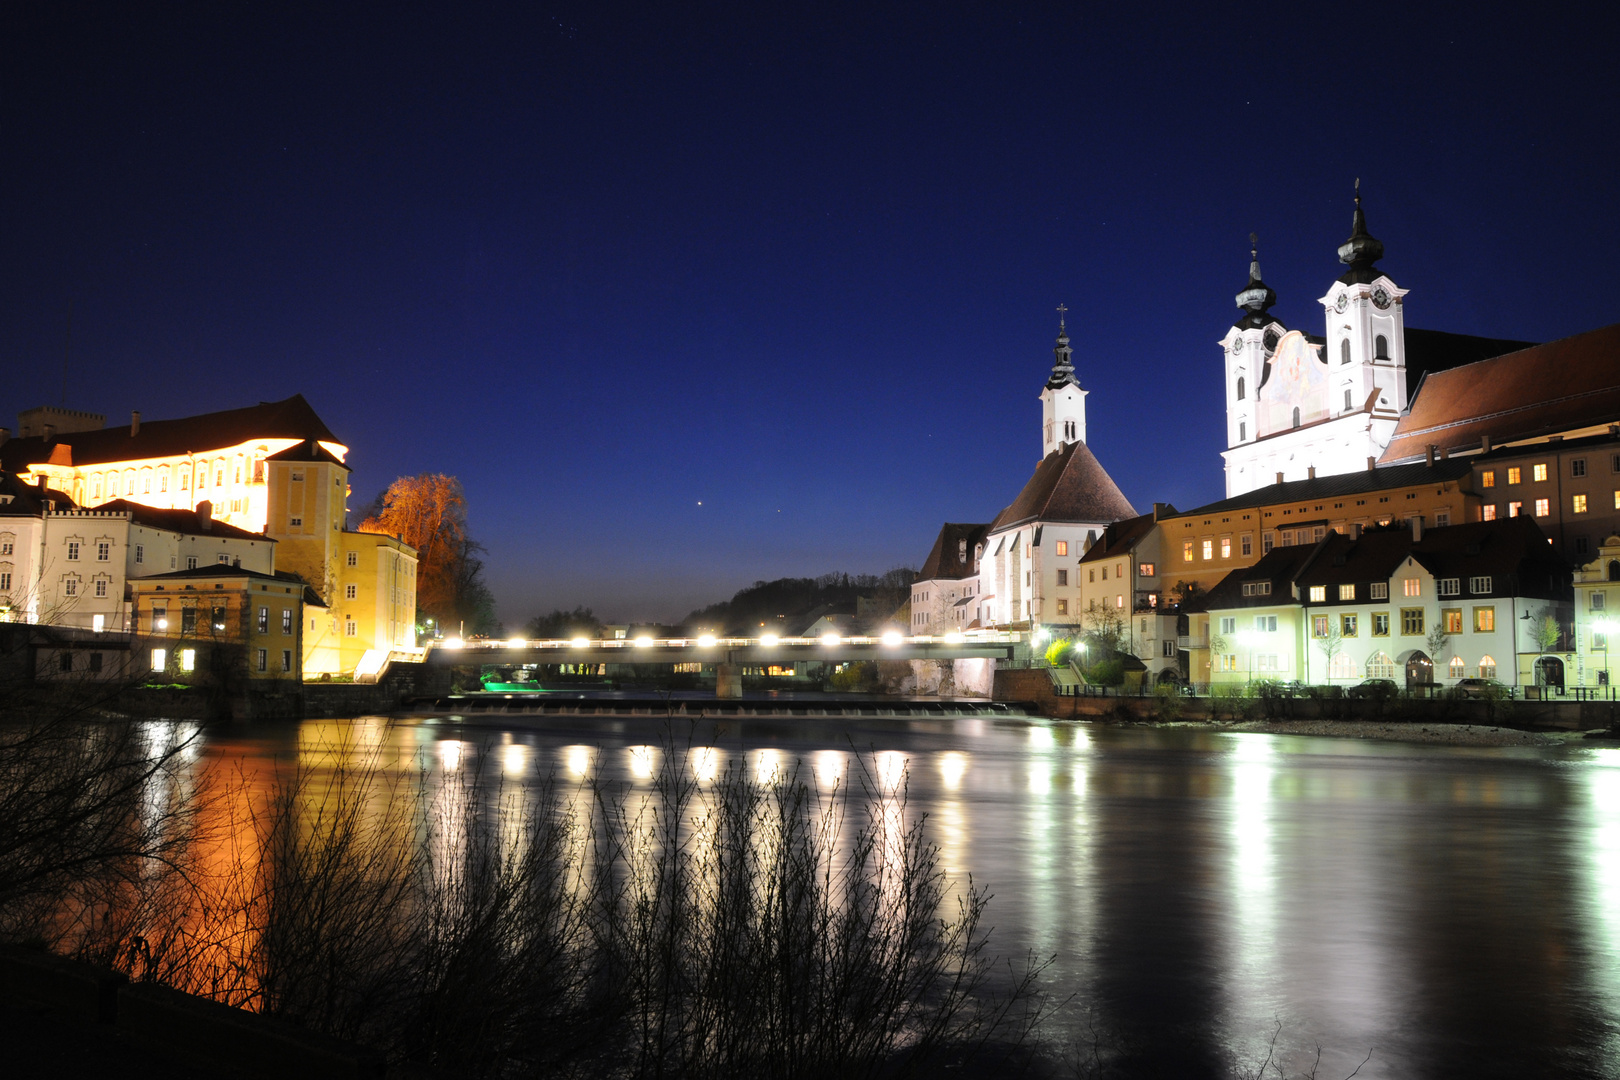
(689, 297)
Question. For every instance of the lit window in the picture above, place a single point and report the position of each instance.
(1538, 472)
(1319, 594)
(1412, 587)
(1319, 625)
(222, 559)
(1412, 620)
(1487, 512)
(1487, 478)
(287, 621)
(1226, 547)
(1380, 666)
(1578, 504)
(1515, 474)
(1209, 549)
(1063, 606)
(1456, 669)
(1187, 548)
(160, 659)
(1146, 569)
(1347, 592)
(188, 659)
(350, 592)
(1514, 508)
(1452, 618)
(1119, 601)
(1543, 507)
(264, 621)
(1347, 625)
(163, 481)
(1487, 668)
(1062, 549)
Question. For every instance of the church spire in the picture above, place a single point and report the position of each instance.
(1362, 250)
(1256, 296)
(1063, 357)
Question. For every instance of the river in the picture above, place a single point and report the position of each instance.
(1454, 911)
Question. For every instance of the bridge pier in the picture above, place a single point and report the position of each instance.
(727, 681)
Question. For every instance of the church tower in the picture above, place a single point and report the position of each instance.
(1248, 346)
(1366, 329)
(1063, 403)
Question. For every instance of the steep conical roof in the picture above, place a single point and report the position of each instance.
(1071, 485)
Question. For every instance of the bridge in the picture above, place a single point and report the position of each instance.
(729, 654)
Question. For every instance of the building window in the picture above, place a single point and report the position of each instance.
(1487, 478)
(219, 618)
(1296, 416)
(1487, 512)
(1514, 508)
(1380, 624)
(351, 592)
(287, 621)
(1320, 625)
(1146, 569)
(73, 551)
(1063, 579)
(163, 480)
(263, 658)
(1411, 620)
(1266, 543)
(1577, 467)
(222, 559)
(1456, 669)
(101, 588)
(1266, 624)
(1451, 618)
(1246, 545)
(1344, 350)
(1243, 431)
(160, 659)
(1487, 668)
(1515, 474)
(188, 620)
(1380, 347)
(191, 562)
(70, 586)
(1442, 518)
(1226, 547)
(1209, 549)
(1227, 662)
(1063, 606)
(1170, 648)
(64, 661)
(1318, 595)
(1449, 586)
(1538, 472)
(1347, 625)
(295, 523)
(1578, 504)
(103, 550)
(1412, 587)
(351, 629)
(5, 580)
(1187, 547)
(1378, 590)
(140, 554)
(1347, 399)
(354, 556)
(1347, 592)
(188, 659)
(1119, 601)
(1257, 588)
(1380, 666)
(1228, 624)
(1543, 507)
(286, 660)
(1240, 388)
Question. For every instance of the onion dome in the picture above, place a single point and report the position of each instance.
(1063, 358)
(1362, 250)
(1256, 296)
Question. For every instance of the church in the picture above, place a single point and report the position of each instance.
(1022, 567)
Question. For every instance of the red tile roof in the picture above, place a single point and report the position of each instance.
(1068, 485)
(1560, 386)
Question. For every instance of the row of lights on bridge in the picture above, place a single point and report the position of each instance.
(708, 641)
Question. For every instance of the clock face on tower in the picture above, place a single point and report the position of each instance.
(1380, 297)
(1341, 303)
(1237, 346)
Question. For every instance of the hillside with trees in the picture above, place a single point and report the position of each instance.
(771, 605)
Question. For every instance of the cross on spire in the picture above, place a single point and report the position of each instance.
(1062, 310)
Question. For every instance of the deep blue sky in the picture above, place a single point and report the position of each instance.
(605, 263)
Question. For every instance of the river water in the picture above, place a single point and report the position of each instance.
(1454, 911)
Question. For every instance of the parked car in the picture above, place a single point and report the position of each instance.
(1480, 688)
(1374, 688)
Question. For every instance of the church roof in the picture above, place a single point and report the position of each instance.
(1544, 390)
(945, 561)
(1069, 485)
(292, 418)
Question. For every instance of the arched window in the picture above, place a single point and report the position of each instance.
(95, 486)
(1347, 399)
(1456, 669)
(1614, 569)
(1380, 347)
(1487, 668)
(185, 477)
(129, 481)
(1380, 666)
(146, 481)
(1243, 431)
(1240, 388)
(1342, 667)
(1296, 416)
(1344, 350)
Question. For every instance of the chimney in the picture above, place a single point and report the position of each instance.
(134, 423)
(1311, 473)
(1428, 454)
(1279, 478)
(1445, 452)
(1417, 527)
(5, 435)
(1614, 430)
(205, 515)
(1484, 444)
(1372, 463)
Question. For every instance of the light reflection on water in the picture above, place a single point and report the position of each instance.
(1455, 911)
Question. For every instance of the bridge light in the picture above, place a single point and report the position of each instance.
(516, 643)
(454, 643)
(706, 641)
(830, 639)
(954, 638)
(770, 641)
(643, 641)
(580, 643)
(892, 638)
